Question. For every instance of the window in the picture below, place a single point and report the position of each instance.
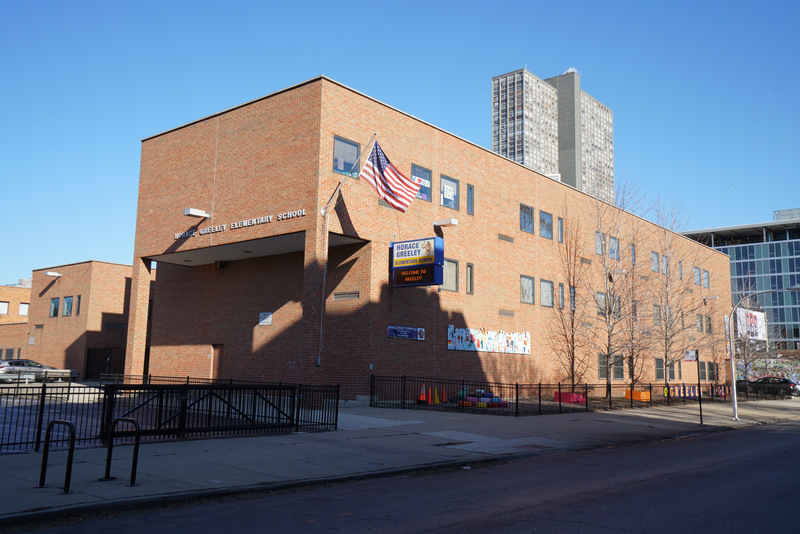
(526, 218)
(635, 311)
(54, 307)
(545, 225)
(712, 371)
(23, 308)
(599, 243)
(601, 304)
(618, 369)
(602, 367)
(655, 262)
(450, 275)
(702, 370)
(572, 298)
(560, 230)
(697, 276)
(422, 176)
(699, 323)
(708, 324)
(345, 156)
(680, 270)
(3, 308)
(561, 296)
(706, 279)
(633, 254)
(665, 265)
(660, 369)
(66, 310)
(656, 315)
(546, 293)
(526, 289)
(470, 199)
(613, 248)
(449, 193)
(470, 278)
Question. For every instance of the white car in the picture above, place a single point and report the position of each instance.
(13, 370)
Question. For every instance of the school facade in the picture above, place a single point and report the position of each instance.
(237, 273)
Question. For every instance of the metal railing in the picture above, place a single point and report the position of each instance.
(164, 410)
(473, 396)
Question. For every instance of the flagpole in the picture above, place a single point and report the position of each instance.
(324, 212)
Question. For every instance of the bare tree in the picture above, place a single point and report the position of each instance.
(675, 291)
(566, 323)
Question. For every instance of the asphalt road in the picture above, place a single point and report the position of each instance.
(743, 480)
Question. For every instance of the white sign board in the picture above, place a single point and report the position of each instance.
(751, 324)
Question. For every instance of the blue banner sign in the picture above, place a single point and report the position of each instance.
(406, 332)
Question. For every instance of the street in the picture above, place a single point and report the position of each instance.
(742, 480)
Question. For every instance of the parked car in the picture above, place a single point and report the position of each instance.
(772, 385)
(12, 370)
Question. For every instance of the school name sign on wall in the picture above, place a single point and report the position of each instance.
(245, 223)
(482, 340)
(418, 262)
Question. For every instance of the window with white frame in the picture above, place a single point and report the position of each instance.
(546, 293)
(655, 262)
(3, 308)
(450, 275)
(526, 295)
(449, 192)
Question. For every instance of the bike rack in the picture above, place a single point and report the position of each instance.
(70, 455)
(111, 447)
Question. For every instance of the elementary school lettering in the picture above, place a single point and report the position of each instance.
(245, 223)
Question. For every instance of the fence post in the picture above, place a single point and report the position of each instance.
(540, 398)
(559, 397)
(650, 385)
(371, 390)
(632, 384)
(516, 399)
(586, 395)
(40, 416)
(182, 414)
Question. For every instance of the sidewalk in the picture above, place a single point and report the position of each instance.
(369, 442)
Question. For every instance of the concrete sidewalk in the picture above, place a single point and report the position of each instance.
(369, 442)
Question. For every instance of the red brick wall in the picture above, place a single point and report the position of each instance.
(276, 154)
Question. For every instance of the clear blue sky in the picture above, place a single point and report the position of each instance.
(705, 94)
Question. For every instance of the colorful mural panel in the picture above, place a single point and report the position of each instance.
(482, 340)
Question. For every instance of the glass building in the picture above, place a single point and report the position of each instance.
(764, 257)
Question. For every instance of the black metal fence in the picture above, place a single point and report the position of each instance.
(163, 410)
(473, 396)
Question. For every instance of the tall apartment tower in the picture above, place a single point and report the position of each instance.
(556, 129)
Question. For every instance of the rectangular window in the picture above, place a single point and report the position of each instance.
(601, 304)
(706, 279)
(618, 368)
(633, 254)
(54, 306)
(470, 279)
(699, 323)
(712, 371)
(23, 308)
(4, 308)
(702, 366)
(546, 293)
(450, 275)
(545, 224)
(423, 177)
(66, 310)
(655, 262)
(572, 298)
(526, 218)
(680, 270)
(448, 192)
(697, 276)
(659, 368)
(602, 367)
(526, 289)
(665, 265)
(635, 311)
(708, 324)
(560, 230)
(470, 199)
(345, 156)
(613, 248)
(656, 315)
(599, 243)
(561, 296)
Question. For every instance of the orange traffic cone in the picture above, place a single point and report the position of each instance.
(430, 396)
(444, 395)
(422, 398)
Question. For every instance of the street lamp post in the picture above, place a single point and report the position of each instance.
(732, 341)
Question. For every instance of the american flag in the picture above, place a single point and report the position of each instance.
(390, 183)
